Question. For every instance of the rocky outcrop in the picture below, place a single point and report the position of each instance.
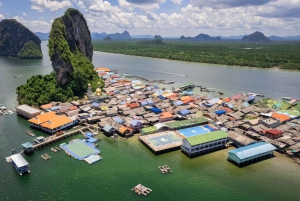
(30, 51)
(256, 37)
(13, 36)
(201, 37)
(107, 39)
(158, 37)
(69, 33)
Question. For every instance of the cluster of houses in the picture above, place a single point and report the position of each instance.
(129, 106)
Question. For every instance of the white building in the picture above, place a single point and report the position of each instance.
(204, 142)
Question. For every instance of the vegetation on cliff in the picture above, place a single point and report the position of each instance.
(14, 36)
(71, 61)
(265, 55)
(30, 51)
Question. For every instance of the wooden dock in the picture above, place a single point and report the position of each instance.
(140, 189)
(164, 169)
(30, 133)
(54, 138)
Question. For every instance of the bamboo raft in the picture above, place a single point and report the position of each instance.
(45, 157)
(164, 169)
(140, 189)
(54, 150)
(30, 133)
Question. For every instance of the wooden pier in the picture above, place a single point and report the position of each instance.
(140, 189)
(54, 138)
(164, 169)
(45, 157)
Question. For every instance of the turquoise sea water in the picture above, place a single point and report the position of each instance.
(127, 163)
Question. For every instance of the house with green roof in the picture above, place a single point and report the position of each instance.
(203, 143)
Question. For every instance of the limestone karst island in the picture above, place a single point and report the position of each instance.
(156, 100)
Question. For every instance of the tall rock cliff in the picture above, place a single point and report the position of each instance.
(71, 52)
(68, 35)
(13, 37)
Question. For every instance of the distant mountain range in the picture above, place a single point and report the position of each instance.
(42, 36)
(115, 36)
(201, 37)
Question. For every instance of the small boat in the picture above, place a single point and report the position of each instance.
(221, 92)
(187, 76)
(286, 98)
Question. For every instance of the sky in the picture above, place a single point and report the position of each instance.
(168, 18)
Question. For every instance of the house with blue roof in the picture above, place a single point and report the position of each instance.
(118, 119)
(177, 103)
(108, 130)
(156, 110)
(136, 124)
(150, 102)
(184, 112)
(251, 153)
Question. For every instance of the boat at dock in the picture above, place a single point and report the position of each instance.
(19, 163)
(286, 98)
(187, 86)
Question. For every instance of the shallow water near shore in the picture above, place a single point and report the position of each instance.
(127, 163)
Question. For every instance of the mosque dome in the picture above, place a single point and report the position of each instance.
(98, 90)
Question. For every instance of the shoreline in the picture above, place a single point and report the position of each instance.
(235, 66)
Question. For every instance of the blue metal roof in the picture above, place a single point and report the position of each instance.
(178, 102)
(184, 112)
(107, 128)
(161, 97)
(155, 110)
(135, 122)
(27, 145)
(118, 120)
(91, 140)
(95, 104)
(252, 150)
(220, 112)
(149, 101)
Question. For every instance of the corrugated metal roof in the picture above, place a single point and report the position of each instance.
(252, 150)
(28, 109)
(200, 139)
(19, 160)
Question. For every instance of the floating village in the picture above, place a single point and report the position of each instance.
(164, 120)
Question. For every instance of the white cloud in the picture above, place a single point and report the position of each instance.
(177, 1)
(35, 25)
(1, 16)
(97, 6)
(24, 14)
(53, 5)
(0, 4)
(145, 5)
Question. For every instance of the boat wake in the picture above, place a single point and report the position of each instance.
(173, 74)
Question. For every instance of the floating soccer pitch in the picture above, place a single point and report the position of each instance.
(193, 131)
(80, 149)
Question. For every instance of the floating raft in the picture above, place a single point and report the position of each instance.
(54, 150)
(164, 169)
(140, 189)
(92, 159)
(45, 157)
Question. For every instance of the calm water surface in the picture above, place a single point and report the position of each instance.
(128, 163)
